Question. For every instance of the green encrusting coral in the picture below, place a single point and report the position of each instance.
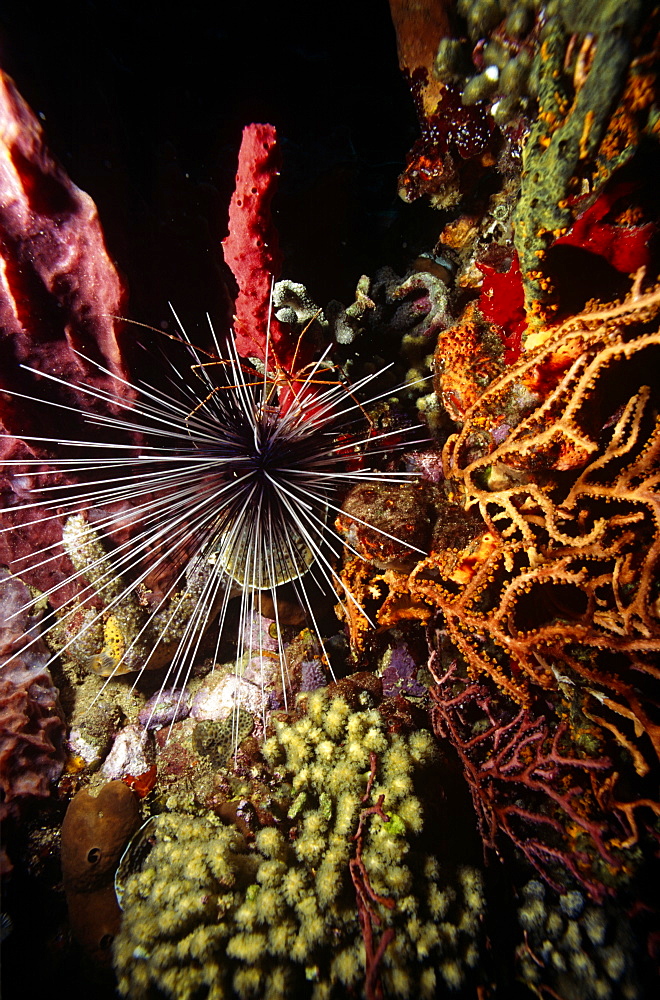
(571, 123)
(344, 896)
(216, 739)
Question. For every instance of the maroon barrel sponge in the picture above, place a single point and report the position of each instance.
(59, 289)
(60, 294)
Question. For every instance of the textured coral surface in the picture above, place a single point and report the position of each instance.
(32, 724)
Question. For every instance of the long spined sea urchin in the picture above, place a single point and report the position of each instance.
(216, 480)
(225, 482)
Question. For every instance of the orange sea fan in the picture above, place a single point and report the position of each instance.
(558, 591)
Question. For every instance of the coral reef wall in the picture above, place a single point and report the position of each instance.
(440, 777)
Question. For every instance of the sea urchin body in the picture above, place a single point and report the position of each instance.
(205, 490)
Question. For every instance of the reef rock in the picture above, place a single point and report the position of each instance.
(31, 719)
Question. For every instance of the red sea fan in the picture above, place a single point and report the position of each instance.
(529, 781)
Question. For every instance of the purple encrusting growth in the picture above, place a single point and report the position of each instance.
(426, 464)
(164, 708)
(274, 702)
(500, 434)
(313, 675)
(257, 634)
(400, 675)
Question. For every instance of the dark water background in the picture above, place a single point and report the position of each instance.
(145, 109)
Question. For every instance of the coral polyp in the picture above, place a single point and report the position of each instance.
(341, 895)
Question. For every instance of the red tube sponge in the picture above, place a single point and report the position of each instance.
(252, 248)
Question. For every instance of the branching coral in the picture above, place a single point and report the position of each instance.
(567, 576)
(541, 580)
(532, 779)
(567, 559)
